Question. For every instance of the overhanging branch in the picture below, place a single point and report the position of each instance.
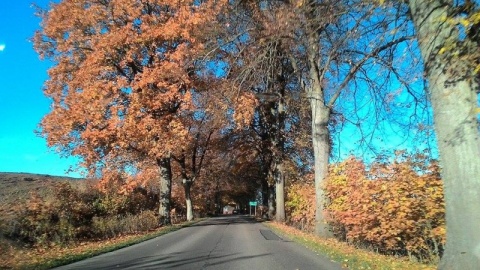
(358, 65)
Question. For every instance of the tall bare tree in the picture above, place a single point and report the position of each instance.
(329, 45)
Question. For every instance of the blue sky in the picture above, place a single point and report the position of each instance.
(23, 104)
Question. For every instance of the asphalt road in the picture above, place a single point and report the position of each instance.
(229, 242)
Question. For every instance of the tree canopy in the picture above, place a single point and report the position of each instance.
(124, 76)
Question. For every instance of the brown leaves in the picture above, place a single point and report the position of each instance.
(244, 109)
(393, 207)
(121, 82)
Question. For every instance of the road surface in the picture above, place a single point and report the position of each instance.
(229, 242)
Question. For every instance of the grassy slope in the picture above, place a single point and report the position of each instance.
(15, 189)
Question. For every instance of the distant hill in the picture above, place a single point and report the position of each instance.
(15, 188)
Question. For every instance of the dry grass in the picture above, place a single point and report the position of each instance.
(17, 257)
(15, 189)
(347, 255)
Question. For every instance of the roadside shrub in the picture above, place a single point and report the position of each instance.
(395, 208)
(32, 226)
(39, 223)
(392, 207)
(73, 215)
(111, 226)
(145, 221)
(300, 205)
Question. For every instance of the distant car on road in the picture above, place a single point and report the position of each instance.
(235, 212)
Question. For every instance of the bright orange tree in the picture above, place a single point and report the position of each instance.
(123, 78)
(394, 207)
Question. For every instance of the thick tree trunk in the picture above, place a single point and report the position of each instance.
(187, 186)
(279, 143)
(165, 184)
(271, 201)
(454, 100)
(321, 150)
(265, 192)
(218, 201)
(265, 198)
(279, 193)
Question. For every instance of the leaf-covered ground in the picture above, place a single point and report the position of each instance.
(349, 256)
(18, 257)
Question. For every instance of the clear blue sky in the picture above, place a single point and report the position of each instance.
(23, 104)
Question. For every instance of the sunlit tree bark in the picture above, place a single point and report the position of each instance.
(453, 89)
(165, 186)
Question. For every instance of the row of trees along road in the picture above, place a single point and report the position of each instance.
(143, 84)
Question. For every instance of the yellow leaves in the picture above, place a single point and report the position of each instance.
(404, 206)
(466, 23)
(477, 69)
(299, 3)
(300, 203)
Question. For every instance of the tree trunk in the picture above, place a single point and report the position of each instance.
(454, 101)
(279, 193)
(279, 156)
(265, 192)
(321, 150)
(265, 198)
(271, 201)
(165, 183)
(187, 186)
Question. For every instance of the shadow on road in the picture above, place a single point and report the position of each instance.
(172, 261)
(226, 220)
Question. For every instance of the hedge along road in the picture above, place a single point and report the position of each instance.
(229, 242)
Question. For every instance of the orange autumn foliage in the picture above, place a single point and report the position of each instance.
(245, 109)
(394, 207)
(123, 78)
